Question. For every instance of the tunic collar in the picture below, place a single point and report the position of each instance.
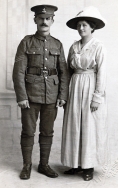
(37, 35)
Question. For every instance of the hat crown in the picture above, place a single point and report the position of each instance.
(92, 12)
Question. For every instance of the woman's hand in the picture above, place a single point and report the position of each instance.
(94, 106)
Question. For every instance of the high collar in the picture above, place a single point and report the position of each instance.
(37, 35)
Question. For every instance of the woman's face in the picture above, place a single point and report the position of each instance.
(84, 28)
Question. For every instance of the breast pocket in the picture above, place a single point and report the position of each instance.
(54, 54)
(34, 56)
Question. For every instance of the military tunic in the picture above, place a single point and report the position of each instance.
(40, 52)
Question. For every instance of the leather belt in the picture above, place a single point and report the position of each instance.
(41, 71)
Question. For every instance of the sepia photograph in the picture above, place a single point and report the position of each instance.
(58, 94)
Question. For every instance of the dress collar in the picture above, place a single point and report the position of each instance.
(77, 46)
(87, 45)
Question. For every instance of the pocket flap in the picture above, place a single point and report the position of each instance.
(29, 78)
(54, 51)
(34, 51)
(56, 80)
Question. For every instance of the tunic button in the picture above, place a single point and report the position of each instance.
(46, 59)
(44, 67)
(46, 49)
(33, 52)
(45, 40)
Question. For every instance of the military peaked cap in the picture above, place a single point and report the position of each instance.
(44, 10)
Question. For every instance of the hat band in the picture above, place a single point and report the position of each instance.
(44, 14)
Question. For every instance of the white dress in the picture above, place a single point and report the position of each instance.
(84, 133)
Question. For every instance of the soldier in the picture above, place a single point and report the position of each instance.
(41, 85)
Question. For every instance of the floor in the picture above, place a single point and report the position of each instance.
(11, 163)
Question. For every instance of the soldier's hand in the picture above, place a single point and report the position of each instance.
(94, 106)
(24, 104)
(60, 102)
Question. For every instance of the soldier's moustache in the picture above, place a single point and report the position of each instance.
(44, 25)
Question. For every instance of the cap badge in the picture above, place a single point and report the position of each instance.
(44, 10)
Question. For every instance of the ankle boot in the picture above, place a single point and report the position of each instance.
(46, 170)
(27, 154)
(43, 167)
(26, 171)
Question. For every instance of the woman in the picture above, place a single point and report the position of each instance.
(84, 132)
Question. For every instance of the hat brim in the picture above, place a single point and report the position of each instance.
(72, 23)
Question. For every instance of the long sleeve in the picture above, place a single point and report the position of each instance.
(100, 75)
(19, 69)
(63, 76)
(69, 59)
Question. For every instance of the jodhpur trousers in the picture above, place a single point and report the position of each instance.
(29, 116)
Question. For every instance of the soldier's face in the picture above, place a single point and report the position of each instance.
(43, 24)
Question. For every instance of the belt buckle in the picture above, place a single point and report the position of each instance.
(45, 72)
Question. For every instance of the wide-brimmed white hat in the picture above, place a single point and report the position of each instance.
(90, 14)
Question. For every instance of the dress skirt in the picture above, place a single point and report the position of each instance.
(84, 133)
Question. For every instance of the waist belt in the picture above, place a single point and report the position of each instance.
(79, 71)
(41, 72)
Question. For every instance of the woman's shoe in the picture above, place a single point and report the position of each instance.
(88, 174)
(73, 171)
